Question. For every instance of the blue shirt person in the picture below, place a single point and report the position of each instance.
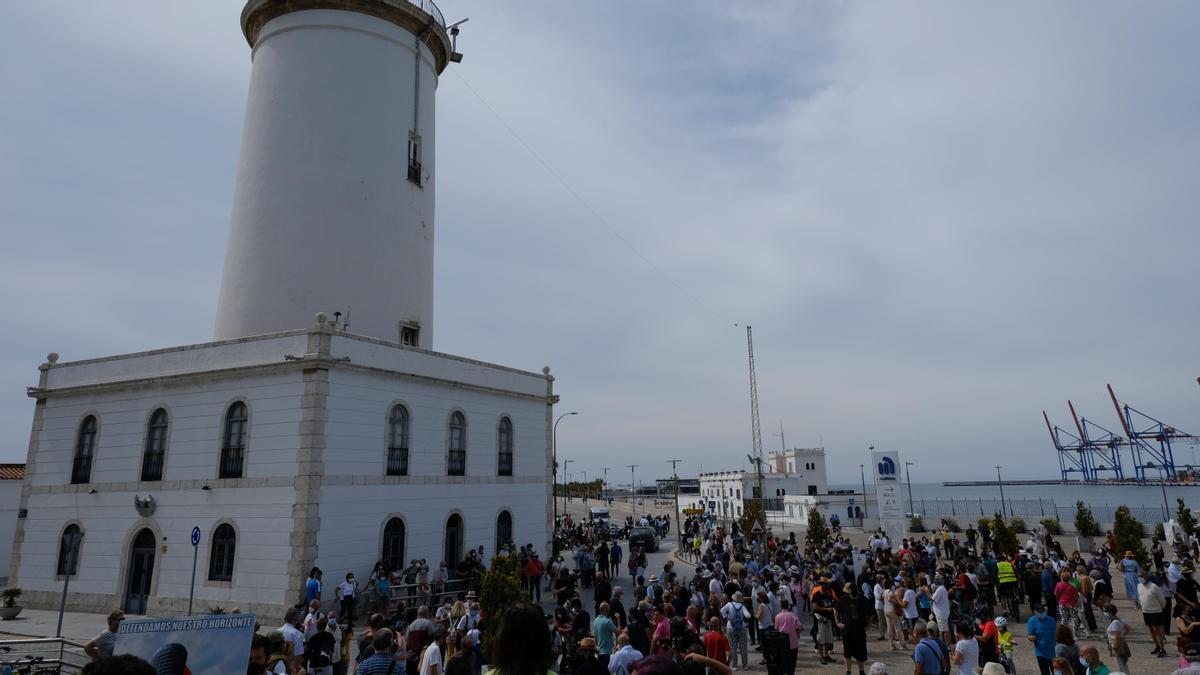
(1040, 629)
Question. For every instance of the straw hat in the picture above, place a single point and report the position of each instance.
(588, 644)
(1128, 554)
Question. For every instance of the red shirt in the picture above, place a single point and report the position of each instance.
(716, 646)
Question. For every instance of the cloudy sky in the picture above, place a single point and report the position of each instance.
(940, 218)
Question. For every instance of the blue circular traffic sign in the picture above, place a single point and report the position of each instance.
(195, 536)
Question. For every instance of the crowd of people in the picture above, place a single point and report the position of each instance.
(947, 603)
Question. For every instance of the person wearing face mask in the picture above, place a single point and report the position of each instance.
(1154, 605)
(1091, 659)
(1040, 629)
(347, 596)
(1116, 632)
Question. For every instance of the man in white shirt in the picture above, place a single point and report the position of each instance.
(310, 619)
(431, 658)
(622, 660)
(940, 604)
(291, 633)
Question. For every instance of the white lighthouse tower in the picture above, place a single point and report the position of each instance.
(292, 441)
(333, 205)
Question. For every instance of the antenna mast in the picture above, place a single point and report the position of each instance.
(755, 427)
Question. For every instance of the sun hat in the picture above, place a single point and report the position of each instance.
(588, 643)
(993, 668)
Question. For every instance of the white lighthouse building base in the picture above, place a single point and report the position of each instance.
(315, 489)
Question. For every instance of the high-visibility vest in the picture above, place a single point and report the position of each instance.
(1005, 573)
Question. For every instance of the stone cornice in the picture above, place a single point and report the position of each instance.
(402, 13)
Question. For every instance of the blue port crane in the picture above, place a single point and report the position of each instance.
(1101, 447)
(1071, 457)
(1151, 440)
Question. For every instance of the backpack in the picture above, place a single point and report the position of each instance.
(738, 620)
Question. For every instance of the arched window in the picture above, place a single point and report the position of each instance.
(220, 560)
(397, 457)
(68, 551)
(393, 544)
(233, 443)
(504, 529)
(456, 459)
(156, 446)
(505, 441)
(85, 449)
(454, 540)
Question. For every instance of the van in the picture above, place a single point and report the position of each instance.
(599, 513)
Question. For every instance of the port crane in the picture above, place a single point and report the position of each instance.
(1071, 457)
(1151, 440)
(1101, 447)
(1092, 450)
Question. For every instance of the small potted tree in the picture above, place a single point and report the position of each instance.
(1086, 527)
(11, 609)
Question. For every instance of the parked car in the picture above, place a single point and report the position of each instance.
(644, 537)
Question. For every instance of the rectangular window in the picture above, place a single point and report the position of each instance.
(414, 158)
(812, 489)
(410, 334)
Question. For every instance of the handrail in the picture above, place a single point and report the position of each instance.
(431, 9)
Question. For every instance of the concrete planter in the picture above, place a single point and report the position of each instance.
(9, 613)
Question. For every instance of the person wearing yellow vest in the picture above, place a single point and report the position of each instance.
(1006, 580)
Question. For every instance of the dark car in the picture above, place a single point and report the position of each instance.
(644, 538)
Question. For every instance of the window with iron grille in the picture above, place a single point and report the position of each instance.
(233, 445)
(85, 449)
(220, 560)
(397, 457)
(505, 441)
(504, 529)
(68, 551)
(456, 456)
(156, 446)
(414, 158)
(393, 544)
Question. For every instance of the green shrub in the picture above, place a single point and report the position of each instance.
(1129, 532)
(1185, 518)
(1018, 525)
(1160, 531)
(1052, 525)
(952, 524)
(1005, 540)
(915, 524)
(1085, 522)
(10, 596)
(818, 532)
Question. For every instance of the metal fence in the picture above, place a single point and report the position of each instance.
(36, 653)
(1031, 510)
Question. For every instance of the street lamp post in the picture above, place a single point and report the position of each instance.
(862, 472)
(1000, 482)
(1163, 484)
(75, 540)
(631, 486)
(912, 511)
(554, 455)
(585, 488)
(675, 480)
(566, 484)
(604, 484)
